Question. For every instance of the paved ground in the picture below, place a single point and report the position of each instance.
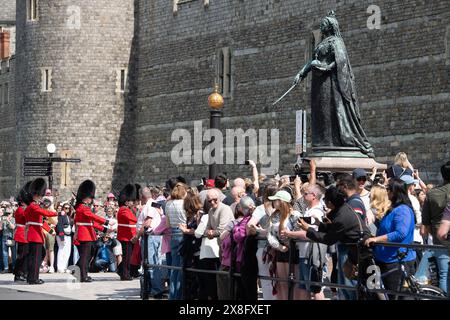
(106, 286)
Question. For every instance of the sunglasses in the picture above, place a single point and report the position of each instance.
(213, 200)
(361, 179)
(66, 208)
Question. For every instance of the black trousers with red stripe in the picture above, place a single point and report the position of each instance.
(124, 266)
(21, 267)
(84, 250)
(34, 261)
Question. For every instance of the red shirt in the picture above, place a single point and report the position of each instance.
(126, 224)
(84, 221)
(97, 226)
(21, 221)
(33, 215)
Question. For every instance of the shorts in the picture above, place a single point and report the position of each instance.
(117, 250)
(308, 273)
(284, 256)
(49, 242)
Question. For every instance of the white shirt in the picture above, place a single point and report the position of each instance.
(209, 247)
(317, 213)
(148, 211)
(418, 213)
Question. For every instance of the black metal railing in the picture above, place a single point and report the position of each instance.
(292, 281)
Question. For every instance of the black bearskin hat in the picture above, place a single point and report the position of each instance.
(128, 193)
(38, 187)
(85, 190)
(138, 189)
(24, 194)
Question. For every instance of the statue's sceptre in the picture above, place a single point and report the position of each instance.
(298, 78)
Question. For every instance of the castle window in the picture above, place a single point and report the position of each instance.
(32, 10)
(176, 3)
(46, 79)
(122, 80)
(6, 93)
(224, 72)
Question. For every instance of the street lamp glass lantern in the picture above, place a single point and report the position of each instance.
(51, 148)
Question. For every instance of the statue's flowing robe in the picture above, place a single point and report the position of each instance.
(336, 121)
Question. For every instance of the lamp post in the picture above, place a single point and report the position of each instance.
(215, 102)
(51, 148)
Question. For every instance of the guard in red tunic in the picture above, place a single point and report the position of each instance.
(20, 268)
(84, 227)
(126, 228)
(34, 234)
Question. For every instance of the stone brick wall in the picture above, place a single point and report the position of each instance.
(84, 43)
(7, 10)
(8, 160)
(401, 75)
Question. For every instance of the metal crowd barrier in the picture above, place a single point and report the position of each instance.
(292, 281)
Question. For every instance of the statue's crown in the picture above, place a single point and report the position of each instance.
(331, 14)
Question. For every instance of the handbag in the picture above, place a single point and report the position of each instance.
(349, 269)
(10, 242)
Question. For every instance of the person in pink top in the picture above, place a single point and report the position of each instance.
(235, 232)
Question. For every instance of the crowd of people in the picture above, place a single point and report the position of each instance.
(321, 226)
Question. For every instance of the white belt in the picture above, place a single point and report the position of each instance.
(20, 225)
(34, 223)
(127, 225)
(90, 224)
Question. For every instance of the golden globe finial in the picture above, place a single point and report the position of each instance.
(215, 100)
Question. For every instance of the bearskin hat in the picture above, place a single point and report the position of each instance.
(86, 190)
(38, 187)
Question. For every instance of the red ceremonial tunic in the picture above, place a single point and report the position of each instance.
(33, 215)
(97, 226)
(126, 224)
(84, 221)
(21, 222)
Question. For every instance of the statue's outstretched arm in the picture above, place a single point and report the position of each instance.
(302, 73)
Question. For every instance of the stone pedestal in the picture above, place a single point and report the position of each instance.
(346, 164)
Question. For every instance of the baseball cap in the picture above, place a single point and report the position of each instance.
(210, 183)
(111, 195)
(407, 179)
(281, 195)
(359, 173)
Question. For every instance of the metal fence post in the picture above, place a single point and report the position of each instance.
(291, 277)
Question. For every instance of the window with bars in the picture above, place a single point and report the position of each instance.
(224, 72)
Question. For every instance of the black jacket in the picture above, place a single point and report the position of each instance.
(63, 221)
(344, 228)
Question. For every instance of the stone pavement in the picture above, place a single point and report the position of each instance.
(106, 286)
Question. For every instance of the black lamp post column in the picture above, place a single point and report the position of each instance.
(215, 102)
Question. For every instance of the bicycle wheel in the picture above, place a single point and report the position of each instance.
(432, 291)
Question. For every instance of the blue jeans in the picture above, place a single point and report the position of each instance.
(175, 287)
(167, 261)
(101, 264)
(422, 269)
(6, 254)
(443, 260)
(154, 257)
(342, 257)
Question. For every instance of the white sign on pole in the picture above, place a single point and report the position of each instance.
(298, 132)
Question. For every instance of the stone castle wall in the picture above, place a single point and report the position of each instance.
(401, 75)
(85, 44)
